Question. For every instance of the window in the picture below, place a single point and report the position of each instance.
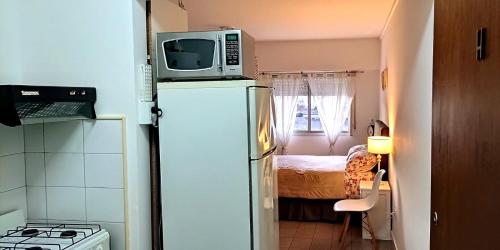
(307, 118)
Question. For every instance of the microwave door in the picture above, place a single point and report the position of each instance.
(189, 55)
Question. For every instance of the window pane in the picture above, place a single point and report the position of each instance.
(346, 125)
(347, 120)
(301, 115)
(315, 120)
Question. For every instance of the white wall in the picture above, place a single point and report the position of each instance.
(87, 43)
(167, 16)
(342, 54)
(406, 105)
(345, 54)
(9, 46)
(139, 185)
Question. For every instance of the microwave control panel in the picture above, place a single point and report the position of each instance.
(232, 49)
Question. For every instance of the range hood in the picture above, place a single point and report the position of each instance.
(23, 104)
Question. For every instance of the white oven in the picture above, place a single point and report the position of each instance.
(15, 234)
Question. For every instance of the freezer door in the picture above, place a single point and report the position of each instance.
(261, 122)
(264, 204)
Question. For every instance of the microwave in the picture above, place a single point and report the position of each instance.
(221, 54)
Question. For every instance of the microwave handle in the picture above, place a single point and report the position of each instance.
(219, 44)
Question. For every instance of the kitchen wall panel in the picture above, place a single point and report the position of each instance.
(12, 170)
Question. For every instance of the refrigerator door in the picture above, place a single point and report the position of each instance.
(275, 199)
(261, 122)
(264, 205)
(205, 176)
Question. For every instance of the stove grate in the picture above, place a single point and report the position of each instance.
(48, 231)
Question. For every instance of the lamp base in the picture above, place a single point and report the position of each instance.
(379, 159)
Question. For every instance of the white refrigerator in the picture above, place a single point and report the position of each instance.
(218, 175)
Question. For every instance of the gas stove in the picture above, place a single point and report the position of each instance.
(36, 236)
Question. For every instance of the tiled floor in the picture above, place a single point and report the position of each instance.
(323, 236)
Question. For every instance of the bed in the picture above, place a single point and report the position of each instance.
(311, 177)
(308, 186)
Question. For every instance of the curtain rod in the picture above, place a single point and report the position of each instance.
(311, 72)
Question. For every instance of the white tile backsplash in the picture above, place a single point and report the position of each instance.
(103, 136)
(12, 172)
(35, 169)
(65, 169)
(65, 172)
(66, 203)
(11, 140)
(63, 137)
(13, 200)
(33, 138)
(39, 221)
(104, 204)
(37, 203)
(104, 170)
(67, 221)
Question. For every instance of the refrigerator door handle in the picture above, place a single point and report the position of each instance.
(268, 187)
(261, 121)
(220, 66)
(268, 153)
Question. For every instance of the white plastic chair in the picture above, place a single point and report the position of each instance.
(360, 205)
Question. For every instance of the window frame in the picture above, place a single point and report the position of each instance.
(309, 132)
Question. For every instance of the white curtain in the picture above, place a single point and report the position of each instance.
(333, 94)
(286, 90)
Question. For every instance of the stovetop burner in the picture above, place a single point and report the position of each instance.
(30, 232)
(34, 248)
(68, 234)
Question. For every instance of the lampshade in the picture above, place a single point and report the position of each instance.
(379, 145)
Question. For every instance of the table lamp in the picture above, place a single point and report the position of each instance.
(379, 145)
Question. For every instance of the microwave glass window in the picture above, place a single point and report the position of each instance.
(189, 54)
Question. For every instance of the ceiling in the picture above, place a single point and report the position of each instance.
(292, 19)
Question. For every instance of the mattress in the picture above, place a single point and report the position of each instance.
(311, 177)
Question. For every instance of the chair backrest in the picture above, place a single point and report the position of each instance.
(372, 198)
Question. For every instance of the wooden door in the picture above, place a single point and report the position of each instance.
(466, 127)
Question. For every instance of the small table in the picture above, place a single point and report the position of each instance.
(380, 215)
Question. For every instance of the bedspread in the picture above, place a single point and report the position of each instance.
(311, 177)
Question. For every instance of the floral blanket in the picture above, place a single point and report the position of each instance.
(359, 166)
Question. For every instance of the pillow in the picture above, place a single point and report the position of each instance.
(358, 169)
(357, 148)
(361, 161)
